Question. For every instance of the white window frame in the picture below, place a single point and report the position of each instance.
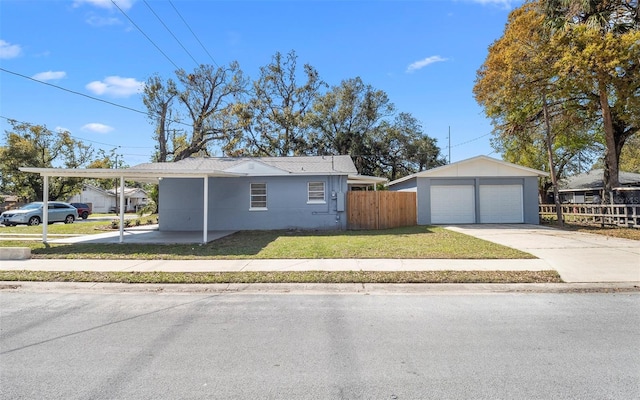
(252, 195)
(316, 200)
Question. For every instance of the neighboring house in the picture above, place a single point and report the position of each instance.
(134, 198)
(9, 202)
(587, 188)
(476, 190)
(104, 201)
(255, 193)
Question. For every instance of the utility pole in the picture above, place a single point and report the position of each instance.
(116, 186)
(449, 145)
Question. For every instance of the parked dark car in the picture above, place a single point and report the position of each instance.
(84, 210)
(31, 214)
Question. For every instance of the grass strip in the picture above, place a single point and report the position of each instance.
(287, 277)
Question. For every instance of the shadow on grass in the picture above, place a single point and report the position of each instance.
(406, 230)
(238, 245)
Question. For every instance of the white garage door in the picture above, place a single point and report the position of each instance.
(453, 204)
(501, 204)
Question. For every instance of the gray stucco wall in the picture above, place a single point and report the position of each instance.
(423, 194)
(181, 204)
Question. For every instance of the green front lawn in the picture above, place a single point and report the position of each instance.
(417, 242)
(80, 227)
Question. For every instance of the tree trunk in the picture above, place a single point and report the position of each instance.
(552, 165)
(611, 154)
(162, 134)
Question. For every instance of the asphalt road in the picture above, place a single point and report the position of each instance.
(73, 345)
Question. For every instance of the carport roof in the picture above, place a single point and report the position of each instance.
(134, 174)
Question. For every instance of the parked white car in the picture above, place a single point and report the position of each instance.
(31, 214)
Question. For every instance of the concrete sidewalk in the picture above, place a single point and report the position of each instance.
(274, 265)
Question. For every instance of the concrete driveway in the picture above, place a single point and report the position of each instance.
(577, 256)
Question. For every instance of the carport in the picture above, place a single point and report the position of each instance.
(133, 174)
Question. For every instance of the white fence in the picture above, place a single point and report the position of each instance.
(627, 215)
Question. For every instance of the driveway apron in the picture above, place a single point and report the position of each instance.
(577, 256)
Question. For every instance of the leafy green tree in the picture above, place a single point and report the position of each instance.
(601, 67)
(281, 116)
(400, 148)
(344, 119)
(36, 146)
(518, 88)
(274, 116)
(630, 157)
(108, 160)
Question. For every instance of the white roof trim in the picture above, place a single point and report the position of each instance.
(364, 179)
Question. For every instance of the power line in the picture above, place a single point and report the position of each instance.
(86, 95)
(468, 141)
(76, 137)
(193, 33)
(72, 91)
(145, 35)
(170, 32)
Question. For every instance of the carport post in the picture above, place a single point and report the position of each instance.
(121, 209)
(205, 212)
(45, 207)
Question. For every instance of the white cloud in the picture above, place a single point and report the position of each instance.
(97, 128)
(49, 75)
(414, 66)
(61, 129)
(508, 4)
(115, 86)
(107, 4)
(8, 50)
(102, 21)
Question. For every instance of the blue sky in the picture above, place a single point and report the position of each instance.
(423, 54)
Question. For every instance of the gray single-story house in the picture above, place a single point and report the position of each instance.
(226, 193)
(478, 190)
(256, 193)
(588, 187)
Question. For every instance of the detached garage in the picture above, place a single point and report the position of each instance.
(477, 190)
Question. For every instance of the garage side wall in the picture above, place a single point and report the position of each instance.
(288, 205)
(531, 201)
(180, 204)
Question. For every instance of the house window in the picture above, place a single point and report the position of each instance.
(315, 192)
(258, 196)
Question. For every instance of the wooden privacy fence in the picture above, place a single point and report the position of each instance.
(601, 214)
(380, 210)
